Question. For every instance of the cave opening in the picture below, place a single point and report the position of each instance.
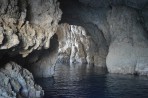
(77, 49)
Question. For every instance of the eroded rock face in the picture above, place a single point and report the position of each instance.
(92, 19)
(124, 30)
(42, 63)
(129, 45)
(27, 25)
(75, 46)
(17, 82)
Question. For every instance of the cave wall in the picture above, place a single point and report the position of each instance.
(105, 33)
(75, 46)
(122, 24)
(129, 44)
(105, 3)
(18, 82)
(26, 25)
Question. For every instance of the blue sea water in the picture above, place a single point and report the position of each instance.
(83, 81)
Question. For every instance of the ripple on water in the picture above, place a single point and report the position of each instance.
(89, 82)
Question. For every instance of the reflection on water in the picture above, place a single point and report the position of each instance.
(88, 82)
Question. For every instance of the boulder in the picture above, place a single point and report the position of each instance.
(17, 82)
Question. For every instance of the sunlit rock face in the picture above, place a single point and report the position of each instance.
(27, 25)
(129, 42)
(76, 46)
(17, 82)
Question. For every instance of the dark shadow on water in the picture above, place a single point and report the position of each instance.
(83, 81)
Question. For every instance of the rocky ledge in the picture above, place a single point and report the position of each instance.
(26, 25)
(17, 82)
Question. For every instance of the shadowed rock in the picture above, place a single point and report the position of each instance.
(17, 81)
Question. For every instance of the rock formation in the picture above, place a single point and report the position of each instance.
(107, 33)
(27, 25)
(17, 82)
(129, 43)
(42, 63)
(76, 46)
(122, 25)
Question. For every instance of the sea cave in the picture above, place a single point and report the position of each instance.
(74, 49)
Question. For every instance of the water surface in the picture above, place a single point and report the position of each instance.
(88, 82)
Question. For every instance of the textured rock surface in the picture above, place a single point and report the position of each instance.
(42, 63)
(17, 82)
(129, 45)
(123, 29)
(93, 20)
(75, 46)
(95, 23)
(27, 25)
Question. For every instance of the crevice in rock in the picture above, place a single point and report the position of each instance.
(28, 11)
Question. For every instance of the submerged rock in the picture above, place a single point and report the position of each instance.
(17, 82)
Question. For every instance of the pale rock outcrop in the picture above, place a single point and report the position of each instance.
(75, 46)
(27, 25)
(129, 44)
(17, 82)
